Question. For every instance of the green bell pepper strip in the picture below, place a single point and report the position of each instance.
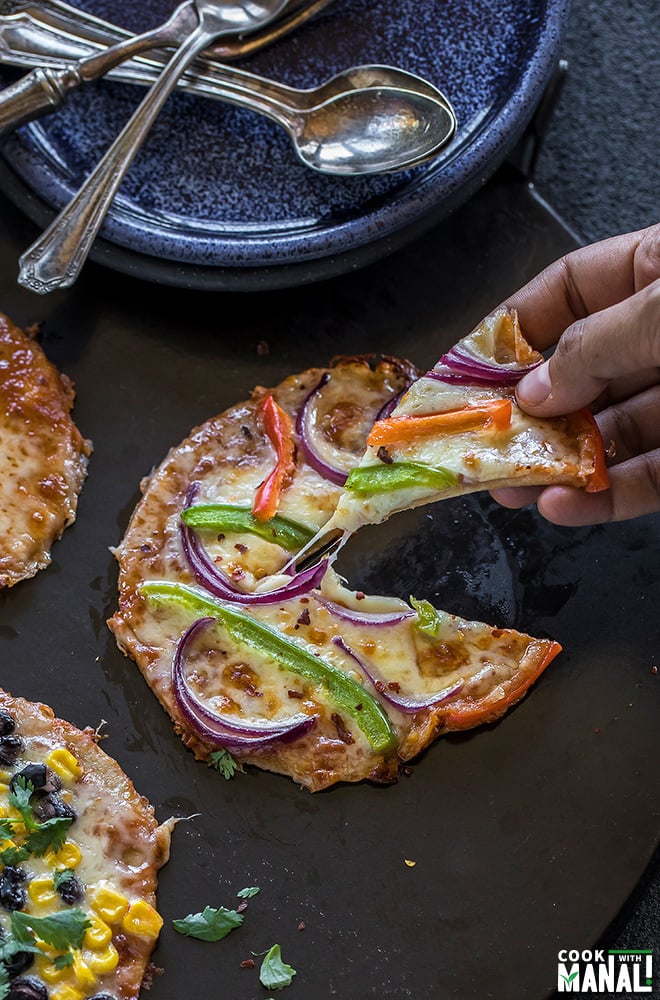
(371, 479)
(226, 517)
(344, 692)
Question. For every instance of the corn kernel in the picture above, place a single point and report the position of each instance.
(103, 962)
(108, 903)
(68, 856)
(41, 891)
(143, 920)
(64, 764)
(6, 844)
(5, 776)
(4, 789)
(67, 992)
(4, 812)
(82, 971)
(49, 973)
(98, 934)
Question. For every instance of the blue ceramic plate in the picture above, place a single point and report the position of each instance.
(217, 192)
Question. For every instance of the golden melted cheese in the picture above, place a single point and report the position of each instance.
(42, 456)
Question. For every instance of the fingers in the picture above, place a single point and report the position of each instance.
(620, 341)
(634, 491)
(517, 496)
(633, 426)
(586, 281)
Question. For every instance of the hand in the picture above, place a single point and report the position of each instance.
(601, 306)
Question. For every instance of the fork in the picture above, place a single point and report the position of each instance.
(56, 258)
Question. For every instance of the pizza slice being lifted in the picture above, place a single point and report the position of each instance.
(458, 429)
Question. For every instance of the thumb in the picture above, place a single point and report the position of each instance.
(618, 341)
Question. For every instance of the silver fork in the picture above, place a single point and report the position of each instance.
(56, 258)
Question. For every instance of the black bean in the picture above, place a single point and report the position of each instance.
(7, 724)
(71, 890)
(27, 988)
(12, 895)
(18, 963)
(40, 777)
(51, 806)
(10, 747)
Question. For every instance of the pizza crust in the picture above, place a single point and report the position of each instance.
(42, 455)
(115, 829)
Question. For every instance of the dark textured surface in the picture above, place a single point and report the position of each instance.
(528, 835)
(220, 186)
(599, 168)
(600, 163)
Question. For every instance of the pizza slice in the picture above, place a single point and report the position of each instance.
(42, 455)
(80, 851)
(458, 429)
(295, 674)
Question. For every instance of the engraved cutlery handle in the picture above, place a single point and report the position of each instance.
(37, 94)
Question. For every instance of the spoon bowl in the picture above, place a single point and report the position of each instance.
(374, 130)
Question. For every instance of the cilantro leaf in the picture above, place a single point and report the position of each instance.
(62, 930)
(14, 855)
(19, 797)
(274, 973)
(61, 876)
(6, 828)
(47, 836)
(223, 762)
(4, 983)
(210, 924)
(249, 892)
(64, 961)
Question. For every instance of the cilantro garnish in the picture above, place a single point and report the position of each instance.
(62, 930)
(274, 973)
(19, 797)
(210, 924)
(249, 892)
(48, 836)
(61, 876)
(223, 762)
(64, 961)
(4, 982)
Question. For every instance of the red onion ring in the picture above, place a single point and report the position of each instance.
(364, 617)
(208, 575)
(461, 367)
(305, 432)
(404, 703)
(218, 729)
(388, 407)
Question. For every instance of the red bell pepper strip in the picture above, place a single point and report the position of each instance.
(467, 713)
(279, 430)
(400, 430)
(592, 439)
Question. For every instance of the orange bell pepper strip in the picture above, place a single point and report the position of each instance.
(279, 430)
(399, 430)
(467, 714)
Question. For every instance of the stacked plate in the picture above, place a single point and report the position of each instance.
(217, 198)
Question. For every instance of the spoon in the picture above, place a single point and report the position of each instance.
(26, 41)
(45, 90)
(62, 20)
(57, 257)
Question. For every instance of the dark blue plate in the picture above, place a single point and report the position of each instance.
(217, 193)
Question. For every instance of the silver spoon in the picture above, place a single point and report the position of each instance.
(63, 19)
(45, 90)
(57, 257)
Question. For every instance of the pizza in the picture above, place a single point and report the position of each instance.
(80, 853)
(42, 455)
(296, 673)
(458, 429)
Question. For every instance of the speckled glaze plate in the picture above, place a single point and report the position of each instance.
(217, 197)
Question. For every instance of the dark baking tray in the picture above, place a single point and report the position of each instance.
(529, 835)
